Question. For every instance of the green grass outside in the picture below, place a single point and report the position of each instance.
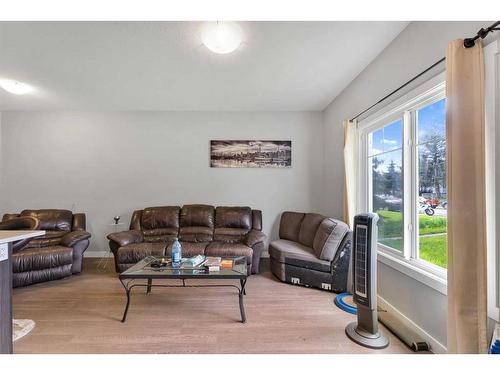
(432, 224)
(391, 224)
(433, 249)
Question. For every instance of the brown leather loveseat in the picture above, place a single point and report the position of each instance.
(56, 254)
(202, 229)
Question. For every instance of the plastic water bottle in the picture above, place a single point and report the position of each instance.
(176, 252)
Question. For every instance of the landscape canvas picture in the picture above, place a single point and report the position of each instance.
(251, 154)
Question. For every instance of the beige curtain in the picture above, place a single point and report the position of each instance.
(466, 199)
(350, 170)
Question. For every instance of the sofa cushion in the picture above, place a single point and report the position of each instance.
(233, 217)
(160, 217)
(197, 215)
(163, 235)
(39, 259)
(196, 234)
(189, 249)
(328, 238)
(51, 219)
(290, 225)
(308, 228)
(50, 238)
(230, 235)
(220, 249)
(296, 254)
(135, 252)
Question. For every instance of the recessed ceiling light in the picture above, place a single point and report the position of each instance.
(15, 87)
(222, 37)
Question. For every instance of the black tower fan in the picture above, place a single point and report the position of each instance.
(365, 331)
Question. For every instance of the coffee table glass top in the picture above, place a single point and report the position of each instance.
(143, 269)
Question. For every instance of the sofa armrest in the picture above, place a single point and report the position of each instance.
(341, 266)
(16, 222)
(20, 223)
(254, 237)
(126, 237)
(72, 238)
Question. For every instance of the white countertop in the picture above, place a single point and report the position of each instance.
(16, 235)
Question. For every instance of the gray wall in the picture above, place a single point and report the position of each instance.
(110, 163)
(417, 47)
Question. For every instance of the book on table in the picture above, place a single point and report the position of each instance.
(193, 262)
(226, 263)
(212, 263)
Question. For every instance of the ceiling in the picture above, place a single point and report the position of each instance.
(281, 66)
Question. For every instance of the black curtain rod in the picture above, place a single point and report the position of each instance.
(468, 43)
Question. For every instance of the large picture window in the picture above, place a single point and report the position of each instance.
(403, 167)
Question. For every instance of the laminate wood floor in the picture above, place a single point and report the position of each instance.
(81, 314)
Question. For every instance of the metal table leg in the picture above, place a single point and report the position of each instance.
(243, 287)
(241, 294)
(127, 290)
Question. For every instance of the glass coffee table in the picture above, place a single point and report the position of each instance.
(142, 274)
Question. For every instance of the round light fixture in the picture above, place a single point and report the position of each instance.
(15, 87)
(222, 37)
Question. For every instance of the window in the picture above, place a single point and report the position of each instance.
(385, 157)
(403, 177)
(430, 150)
(492, 167)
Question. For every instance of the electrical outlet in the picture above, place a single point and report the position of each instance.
(4, 252)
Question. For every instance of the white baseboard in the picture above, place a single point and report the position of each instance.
(436, 346)
(98, 254)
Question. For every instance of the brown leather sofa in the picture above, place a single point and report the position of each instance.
(313, 250)
(55, 255)
(202, 229)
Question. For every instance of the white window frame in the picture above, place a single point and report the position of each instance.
(403, 108)
(492, 168)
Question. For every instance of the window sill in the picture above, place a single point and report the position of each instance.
(431, 280)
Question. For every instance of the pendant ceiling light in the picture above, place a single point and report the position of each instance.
(222, 37)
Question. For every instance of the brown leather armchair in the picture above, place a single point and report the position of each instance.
(203, 229)
(56, 254)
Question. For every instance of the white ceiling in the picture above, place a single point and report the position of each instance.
(283, 66)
